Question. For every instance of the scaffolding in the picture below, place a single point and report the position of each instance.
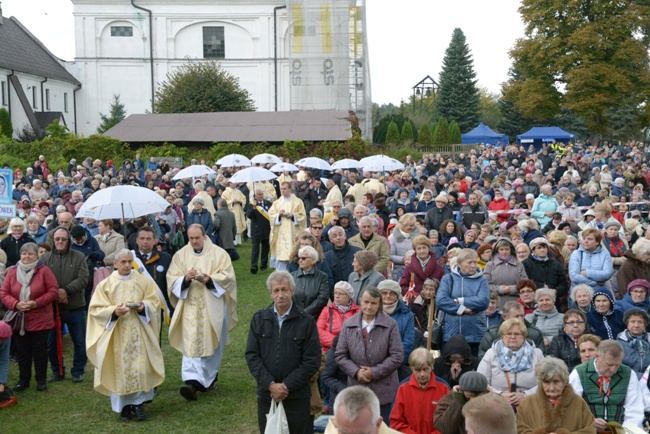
(328, 58)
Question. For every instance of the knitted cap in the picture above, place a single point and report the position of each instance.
(483, 248)
(636, 311)
(345, 287)
(473, 382)
(390, 285)
(639, 283)
(367, 259)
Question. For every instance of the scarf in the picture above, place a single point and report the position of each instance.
(24, 274)
(640, 344)
(390, 308)
(539, 258)
(424, 263)
(615, 246)
(514, 361)
(344, 309)
(506, 260)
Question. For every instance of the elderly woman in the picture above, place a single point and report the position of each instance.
(509, 364)
(420, 306)
(36, 230)
(565, 344)
(393, 306)
(523, 252)
(311, 284)
(370, 350)
(401, 241)
(529, 230)
(364, 274)
(331, 318)
(110, 242)
(637, 264)
(463, 297)
(306, 239)
(526, 290)
(635, 340)
(17, 238)
(544, 270)
(581, 297)
(504, 271)
(200, 215)
(436, 246)
(30, 288)
(423, 266)
(545, 316)
(555, 408)
(636, 296)
(469, 240)
(591, 263)
(606, 318)
(588, 347)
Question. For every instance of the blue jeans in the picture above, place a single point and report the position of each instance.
(4, 361)
(76, 322)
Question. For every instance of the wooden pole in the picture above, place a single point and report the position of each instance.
(432, 309)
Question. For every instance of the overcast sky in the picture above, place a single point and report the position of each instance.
(407, 39)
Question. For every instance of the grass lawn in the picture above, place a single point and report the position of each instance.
(232, 408)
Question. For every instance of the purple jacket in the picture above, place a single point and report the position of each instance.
(383, 354)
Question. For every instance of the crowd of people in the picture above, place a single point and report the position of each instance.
(527, 270)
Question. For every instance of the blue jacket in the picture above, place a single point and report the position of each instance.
(40, 236)
(598, 267)
(406, 322)
(472, 292)
(632, 356)
(606, 326)
(204, 219)
(627, 303)
(542, 205)
(91, 250)
(424, 206)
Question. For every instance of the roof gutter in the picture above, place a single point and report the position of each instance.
(13, 72)
(42, 99)
(275, 51)
(74, 107)
(153, 106)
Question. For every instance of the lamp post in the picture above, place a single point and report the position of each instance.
(424, 88)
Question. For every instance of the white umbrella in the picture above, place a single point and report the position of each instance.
(252, 174)
(122, 201)
(234, 160)
(195, 171)
(314, 163)
(380, 163)
(284, 167)
(347, 163)
(266, 159)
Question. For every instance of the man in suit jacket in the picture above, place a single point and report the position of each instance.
(225, 226)
(258, 213)
(156, 262)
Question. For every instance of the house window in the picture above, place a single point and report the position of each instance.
(121, 31)
(47, 99)
(34, 97)
(4, 92)
(65, 102)
(214, 44)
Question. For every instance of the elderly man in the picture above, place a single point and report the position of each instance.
(283, 353)
(225, 228)
(203, 290)
(257, 211)
(489, 414)
(65, 220)
(367, 239)
(341, 256)
(360, 211)
(356, 411)
(438, 214)
(511, 309)
(610, 388)
(71, 272)
(122, 339)
(287, 218)
(333, 195)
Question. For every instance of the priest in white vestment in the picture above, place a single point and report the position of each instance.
(122, 338)
(288, 218)
(236, 201)
(203, 290)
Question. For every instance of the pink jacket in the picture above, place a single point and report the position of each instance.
(328, 330)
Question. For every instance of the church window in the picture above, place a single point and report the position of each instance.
(121, 31)
(214, 44)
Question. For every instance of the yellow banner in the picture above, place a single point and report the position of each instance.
(298, 28)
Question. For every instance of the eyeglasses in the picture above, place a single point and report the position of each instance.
(526, 291)
(303, 258)
(336, 206)
(513, 335)
(60, 239)
(637, 291)
(317, 227)
(574, 323)
(339, 294)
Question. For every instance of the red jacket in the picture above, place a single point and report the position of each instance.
(500, 205)
(432, 270)
(328, 331)
(44, 290)
(413, 409)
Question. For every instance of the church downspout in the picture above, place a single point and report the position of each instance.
(275, 51)
(153, 106)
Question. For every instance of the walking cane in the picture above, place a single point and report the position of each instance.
(432, 309)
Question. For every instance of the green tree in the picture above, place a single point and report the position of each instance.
(458, 97)
(392, 135)
(490, 110)
(56, 130)
(584, 56)
(381, 127)
(407, 133)
(454, 133)
(6, 128)
(202, 87)
(116, 114)
(441, 136)
(424, 135)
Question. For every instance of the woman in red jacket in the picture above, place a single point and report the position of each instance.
(499, 203)
(31, 288)
(331, 318)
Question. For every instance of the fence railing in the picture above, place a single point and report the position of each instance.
(446, 150)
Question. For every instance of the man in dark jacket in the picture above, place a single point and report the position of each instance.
(441, 212)
(156, 262)
(511, 309)
(225, 227)
(341, 256)
(472, 212)
(71, 272)
(83, 242)
(448, 417)
(283, 353)
(258, 213)
(315, 195)
(456, 359)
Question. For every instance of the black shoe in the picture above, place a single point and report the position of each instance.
(127, 413)
(41, 387)
(78, 378)
(188, 392)
(56, 377)
(254, 270)
(140, 414)
(20, 387)
(263, 269)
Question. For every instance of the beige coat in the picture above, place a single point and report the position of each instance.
(113, 244)
(378, 245)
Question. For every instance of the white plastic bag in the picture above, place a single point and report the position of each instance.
(276, 419)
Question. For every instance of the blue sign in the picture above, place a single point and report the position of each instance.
(6, 186)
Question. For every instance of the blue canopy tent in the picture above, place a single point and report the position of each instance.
(483, 134)
(537, 136)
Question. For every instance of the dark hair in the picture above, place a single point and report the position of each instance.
(108, 222)
(149, 229)
(374, 293)
(526, 283)
(45, 246)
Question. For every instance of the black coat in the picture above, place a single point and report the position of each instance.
(291, 358)
(157, 267)
(11, 247)
(549, 273)
(564, 348)
(492, 334)
(260, 225)
(225, 226)
(435, 217)
(456, 345)
(340, 262)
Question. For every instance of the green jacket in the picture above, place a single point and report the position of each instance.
(71, 273)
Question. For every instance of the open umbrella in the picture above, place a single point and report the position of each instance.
(122, 201)
(252, 174)
(265, 159)
(347, 163)
(314, 163)
(284, 167)
(381, 163)
(195, 171)
(234, 160)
